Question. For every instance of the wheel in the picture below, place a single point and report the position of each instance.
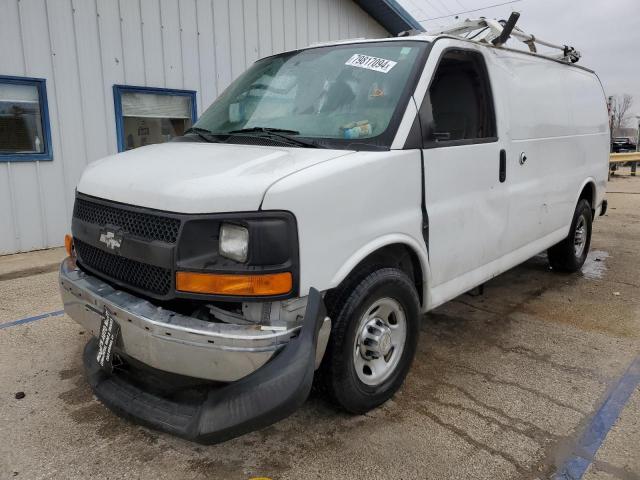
(373, 340)
(569, 255)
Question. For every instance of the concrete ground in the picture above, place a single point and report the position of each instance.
(31, 263)
(512, 384)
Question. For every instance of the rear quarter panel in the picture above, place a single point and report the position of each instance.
(557, 116)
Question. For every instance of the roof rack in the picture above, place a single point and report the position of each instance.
(497, 32)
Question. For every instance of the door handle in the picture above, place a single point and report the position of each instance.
(502, 175)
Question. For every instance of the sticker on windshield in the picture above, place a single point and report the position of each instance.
(371, 63)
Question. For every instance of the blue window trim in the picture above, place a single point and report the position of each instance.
(41, 85)
(118, 90)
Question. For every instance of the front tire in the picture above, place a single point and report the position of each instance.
(373, 340)
(570, 254)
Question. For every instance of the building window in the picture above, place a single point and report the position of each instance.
(147, 115)
(24, 120)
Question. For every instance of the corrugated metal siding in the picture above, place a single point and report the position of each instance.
(84, 47)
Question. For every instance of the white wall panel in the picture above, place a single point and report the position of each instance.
(73, 136)
(87, 40)
(152, 42)
(171, 43)
(83, 47)
(236, 34)
(46, 182)
(28, 206)
(11, 63)
(343, 23)
(190, 48)
(131, 33)
(334, 19)
(290, 26)
(250, 26)
(108, 13)
(265, 47)
(8, 230)
(207, 54)
(313, 21)
(323, 20)
(28, 219)
(277, 26)
(11, 54)
(301, 23)
(222, 37)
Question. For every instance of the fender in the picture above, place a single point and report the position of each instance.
(394, 238)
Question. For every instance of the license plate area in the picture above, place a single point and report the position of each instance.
(107, 340)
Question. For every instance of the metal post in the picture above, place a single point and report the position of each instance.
(634, 164)
(612, 167)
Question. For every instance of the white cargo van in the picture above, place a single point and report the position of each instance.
(327, 199)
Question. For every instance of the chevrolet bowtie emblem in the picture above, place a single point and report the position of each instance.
(113, 240)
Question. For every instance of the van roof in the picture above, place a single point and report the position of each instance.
(425, 37)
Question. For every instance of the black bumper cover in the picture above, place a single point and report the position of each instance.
(268, 395)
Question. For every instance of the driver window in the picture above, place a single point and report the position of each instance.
(459, 100)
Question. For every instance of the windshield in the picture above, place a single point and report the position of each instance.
(339, 93)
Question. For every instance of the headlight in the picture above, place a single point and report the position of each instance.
(234, 242)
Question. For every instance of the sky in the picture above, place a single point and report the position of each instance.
(605, 32)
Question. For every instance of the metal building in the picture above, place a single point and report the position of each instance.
(82, 79)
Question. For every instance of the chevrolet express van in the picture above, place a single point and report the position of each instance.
(323, 203)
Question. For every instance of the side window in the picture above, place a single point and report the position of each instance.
(458, 106)
(147, 115)
(24, 120)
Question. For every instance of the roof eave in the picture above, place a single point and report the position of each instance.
(391, 15)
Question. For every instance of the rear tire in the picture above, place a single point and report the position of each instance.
(373, 340)
(570, 254)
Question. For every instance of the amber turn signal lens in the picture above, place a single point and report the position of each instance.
(68, 245)
(229, 284)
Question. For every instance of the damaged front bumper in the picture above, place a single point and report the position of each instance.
(262, 391)
(167, 340)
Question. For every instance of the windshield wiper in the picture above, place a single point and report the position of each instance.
(266, 130)
(278, 133)
(203, 133)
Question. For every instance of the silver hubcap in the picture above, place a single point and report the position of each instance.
(580, 237)
(379, 342)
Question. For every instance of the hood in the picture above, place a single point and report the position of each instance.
(187, 177)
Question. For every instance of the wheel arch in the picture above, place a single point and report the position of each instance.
(588, 192)
(397, 251)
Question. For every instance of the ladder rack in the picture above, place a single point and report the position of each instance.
(498, 32)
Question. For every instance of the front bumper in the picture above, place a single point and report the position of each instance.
(167, 340)
(197, 410)
(217, 414)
